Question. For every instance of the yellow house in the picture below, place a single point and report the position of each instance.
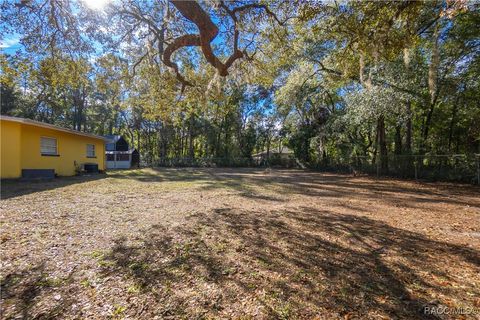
(29, 147)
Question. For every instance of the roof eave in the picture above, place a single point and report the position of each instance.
(50, 126)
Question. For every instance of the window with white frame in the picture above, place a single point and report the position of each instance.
(90, 150)
(48, 146)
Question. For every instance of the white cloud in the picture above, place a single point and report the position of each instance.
(9, 42)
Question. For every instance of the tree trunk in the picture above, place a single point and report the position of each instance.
(138, 145)
(180, 132)
(432, 86)
(382, 167)
(452, 124)
(375, 148)
(408, 138)
(398, 140)
(190, 133)
(268, 147)
(426, 127)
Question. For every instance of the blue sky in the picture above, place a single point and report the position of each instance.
(11, 44)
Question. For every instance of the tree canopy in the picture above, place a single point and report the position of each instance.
(226, 79)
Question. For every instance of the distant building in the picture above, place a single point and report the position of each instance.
(283, 156)
(119, 155)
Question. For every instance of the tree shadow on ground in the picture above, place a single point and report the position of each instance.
(17, 187)
(163, 174)
(254, 183)
(273, 185)
(19, 291)
(236, 179)
(342, 186)
(298, 264)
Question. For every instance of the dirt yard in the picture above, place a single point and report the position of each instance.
(238, 243)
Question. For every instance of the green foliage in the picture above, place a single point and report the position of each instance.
(322, 82)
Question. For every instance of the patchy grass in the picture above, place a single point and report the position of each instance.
(237, 243)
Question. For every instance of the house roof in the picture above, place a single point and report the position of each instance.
(49, 126)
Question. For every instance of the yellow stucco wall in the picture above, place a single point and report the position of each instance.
(10, 152)
(71, 149)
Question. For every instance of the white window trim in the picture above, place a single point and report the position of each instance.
(56, 146)
(94, 151)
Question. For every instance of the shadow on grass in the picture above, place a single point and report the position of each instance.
(236, 179)
(296, 264)
(251, 183)
(16, 188)
(162, 174)
(19, 291)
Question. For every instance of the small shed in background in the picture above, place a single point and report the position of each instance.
(119, 155)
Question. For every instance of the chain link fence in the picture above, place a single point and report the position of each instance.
(457, 167)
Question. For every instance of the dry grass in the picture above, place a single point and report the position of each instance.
(237, 243)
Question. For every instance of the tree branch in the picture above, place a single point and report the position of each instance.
(193, 12)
